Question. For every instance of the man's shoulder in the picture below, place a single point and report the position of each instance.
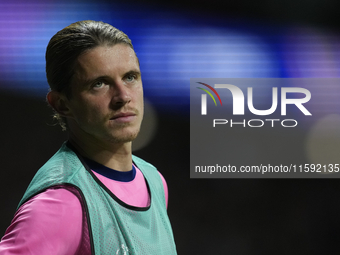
(141, 163)
(59, 169)
(148, 170)
(65, 158)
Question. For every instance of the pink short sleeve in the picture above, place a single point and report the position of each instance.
(166, 192)
(49, 223)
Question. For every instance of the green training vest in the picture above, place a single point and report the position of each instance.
(114, 227)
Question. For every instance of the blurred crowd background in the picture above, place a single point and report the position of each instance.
(176, 41)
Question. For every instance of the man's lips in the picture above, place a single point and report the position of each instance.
(124, 116)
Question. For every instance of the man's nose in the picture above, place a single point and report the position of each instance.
(120, 94)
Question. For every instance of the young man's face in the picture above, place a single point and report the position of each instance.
(106, 102)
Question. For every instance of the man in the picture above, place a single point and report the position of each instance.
(93, 196)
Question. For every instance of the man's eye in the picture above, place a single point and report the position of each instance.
(130, 77)
(98, 84)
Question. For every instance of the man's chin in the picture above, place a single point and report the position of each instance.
(123, 138)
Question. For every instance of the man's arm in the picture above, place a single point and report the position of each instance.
(49, 223)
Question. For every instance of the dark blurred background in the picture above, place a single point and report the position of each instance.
(176, 41)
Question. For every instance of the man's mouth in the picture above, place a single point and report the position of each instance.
(124, 117)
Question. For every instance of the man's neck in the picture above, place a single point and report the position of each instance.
(112, 155)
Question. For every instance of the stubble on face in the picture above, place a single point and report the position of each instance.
(129, 137)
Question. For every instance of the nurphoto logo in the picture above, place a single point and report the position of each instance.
(238, 103)
(264, 127)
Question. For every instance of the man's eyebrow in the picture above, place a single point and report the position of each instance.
(89, 81)
(133, 72)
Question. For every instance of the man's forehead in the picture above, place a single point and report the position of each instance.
(107, 60)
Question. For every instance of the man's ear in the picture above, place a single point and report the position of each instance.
(59, 103)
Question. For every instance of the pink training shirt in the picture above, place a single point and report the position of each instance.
(51, 222)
